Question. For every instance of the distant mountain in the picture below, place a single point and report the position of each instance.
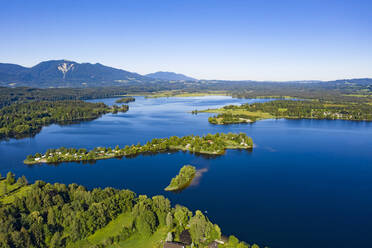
(57, 73)
(171, 76)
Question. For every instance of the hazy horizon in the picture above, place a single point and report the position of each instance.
(224, 40)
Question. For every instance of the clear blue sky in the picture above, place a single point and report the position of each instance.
(256, 40)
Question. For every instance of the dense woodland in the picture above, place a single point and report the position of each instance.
(209, 144)
(26, 119)
(59, 215)
(184, 177)
(309, 109)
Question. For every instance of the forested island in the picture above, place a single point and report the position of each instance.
(26, 119)
(291, 109)
(125, 99)
(213, 144)
(59, 215)
(183, 179)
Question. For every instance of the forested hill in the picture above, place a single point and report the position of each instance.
(64, 73)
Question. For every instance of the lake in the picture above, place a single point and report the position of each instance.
(306, 183)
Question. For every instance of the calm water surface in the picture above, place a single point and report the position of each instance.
(307, 183)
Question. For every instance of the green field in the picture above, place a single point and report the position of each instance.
(136, 241)
(114, 228)
(111, 229)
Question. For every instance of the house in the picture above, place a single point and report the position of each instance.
(214, 244)
(185, 237)
(173, 245)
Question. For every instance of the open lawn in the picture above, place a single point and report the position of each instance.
(111, 229)
(257, 114)
(12, 191)
(136, 241)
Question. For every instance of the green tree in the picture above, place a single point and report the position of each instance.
(4, 189)
(169, 220)
(200, 228)
(10, 178)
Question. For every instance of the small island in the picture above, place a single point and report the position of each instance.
(125, 99)
(210, 144)
(228, 118)
(183, 179)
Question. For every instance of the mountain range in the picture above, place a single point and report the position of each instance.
(170, 76)
(65, 73)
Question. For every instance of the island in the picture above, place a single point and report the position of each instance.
(125, 99)
(183, 179)
(210, 144)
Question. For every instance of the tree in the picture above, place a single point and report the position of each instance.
(22, 180)
(4, 189)
(182, 215)
(169, 220)
(200, 228)
(10, 178)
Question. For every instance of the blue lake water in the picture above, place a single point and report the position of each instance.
(306, 183)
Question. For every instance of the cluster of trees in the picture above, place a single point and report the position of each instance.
(25, 119)
(208, 144)
(229, 118)
(56, 215)
(125, 99)
(310, 109)
(123, 108)
(184, 177)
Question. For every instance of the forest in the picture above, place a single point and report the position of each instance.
(215, 144)
(58, 215)
(184, 177)
(27, 119)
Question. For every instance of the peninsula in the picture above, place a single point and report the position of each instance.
(183, 179)
(26, 119)
(290, 109)
(212, 144)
